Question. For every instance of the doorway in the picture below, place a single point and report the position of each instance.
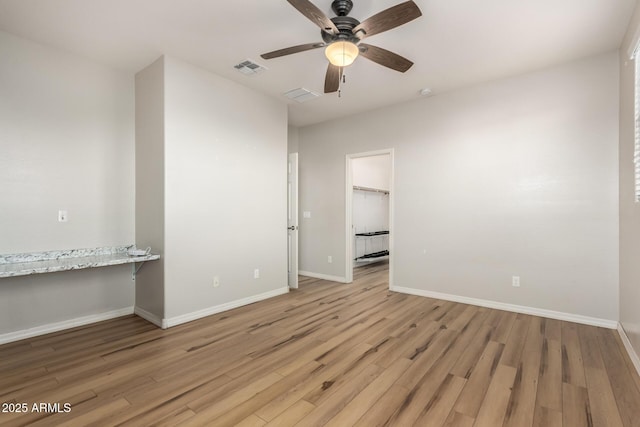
(369, 210)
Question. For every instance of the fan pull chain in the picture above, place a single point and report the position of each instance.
(344, 80)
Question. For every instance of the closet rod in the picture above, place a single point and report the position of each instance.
(375, 190)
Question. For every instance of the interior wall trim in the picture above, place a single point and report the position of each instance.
(558, 315)
(189, 317)
(323, 276)
(65, 324)
(150, 317)
(630, 350)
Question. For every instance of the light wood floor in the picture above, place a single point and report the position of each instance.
(328, 354)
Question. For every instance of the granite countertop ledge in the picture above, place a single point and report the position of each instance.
(24, 264)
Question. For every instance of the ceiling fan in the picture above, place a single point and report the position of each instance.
(342, 36)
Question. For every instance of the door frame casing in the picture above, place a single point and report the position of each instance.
(349, 210)
(292, 220)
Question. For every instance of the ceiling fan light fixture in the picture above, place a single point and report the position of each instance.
(342, 53)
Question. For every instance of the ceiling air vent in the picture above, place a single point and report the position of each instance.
(301, 95)
(249, 67)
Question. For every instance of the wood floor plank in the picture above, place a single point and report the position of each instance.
(322, 378)
(604, 410)
(427, 388)
(328, 354)
(32, 418)
(622, 349)
(621, 378)
(172, 418)
(473, 393)
(209, 413)
(575, 406)
(515, 342)
(545, 417)
(435, 381)
(522, 401)
(437, 409)
(95, 411)
(367, 398)
(496, 399)
(467, 361)
(292, 415)
(251, 421)
(331, 404)
(384, 408)
(406, 345)
(572, 365)
(426, 355)
(550, 374)
(240, 411)
(503, 328)
(456, 419)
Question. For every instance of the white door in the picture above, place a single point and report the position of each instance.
(292, 220)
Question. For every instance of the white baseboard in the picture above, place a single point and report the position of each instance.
(66, 324)
(150, 317)
(558, 315)
(177, 320)
(323, 276)
(630, 350)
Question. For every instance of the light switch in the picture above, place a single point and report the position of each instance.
(306, 214)
(63, 216)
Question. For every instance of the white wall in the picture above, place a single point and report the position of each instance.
(372, 171)
(629, 210)
(513, 177)
(293, 135)
(66, 142)
(225, 191)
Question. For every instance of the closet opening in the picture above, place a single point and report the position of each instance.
(369, 213)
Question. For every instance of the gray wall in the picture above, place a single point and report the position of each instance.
(629, 209)
(66, 142)
(225, 190)
(150, 183)
(514, 177)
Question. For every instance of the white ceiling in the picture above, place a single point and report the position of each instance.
(454, 44)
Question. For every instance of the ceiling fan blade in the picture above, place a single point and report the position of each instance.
(332, 79)
(315, 15)
(385, 57)
(387, 19)
(291, 50)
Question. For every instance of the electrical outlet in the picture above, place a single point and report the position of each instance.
(216, 281)
(256, 273)
(515, 281)
(63, 216)
(329, 259)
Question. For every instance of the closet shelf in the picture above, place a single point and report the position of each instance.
(371, 256)
(372, 233)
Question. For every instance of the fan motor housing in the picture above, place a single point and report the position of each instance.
(345, 25)
(342, 7)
